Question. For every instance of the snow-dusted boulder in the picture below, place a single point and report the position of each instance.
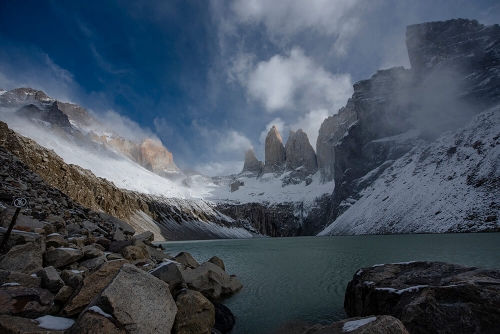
(428, 297)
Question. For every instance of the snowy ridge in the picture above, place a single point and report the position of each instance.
(450, 185)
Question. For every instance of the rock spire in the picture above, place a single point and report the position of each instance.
(274, 151)
(299, 153)
(251, 163)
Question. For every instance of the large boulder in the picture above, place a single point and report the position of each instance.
(55, 240)
(169, 273)
(195, 313)
(60, 257)
(21, 238)
(211, 281)
(95, 320)
(25, 258)
(428, 297)
(25, 302)
(91, 287)
(224, 318)
(25, 280)
(50, 279)
(384, 324)
(138, 301)
(186, 260)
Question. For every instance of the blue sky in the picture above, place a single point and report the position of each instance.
(209, 78)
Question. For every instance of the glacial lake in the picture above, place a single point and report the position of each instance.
(304, 278)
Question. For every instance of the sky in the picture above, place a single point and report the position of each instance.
(210, 78)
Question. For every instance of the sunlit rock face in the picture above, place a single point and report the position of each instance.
(274, 152)
(251, 164)
(155, 157)
(299, 153)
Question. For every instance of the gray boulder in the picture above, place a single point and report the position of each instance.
(50, 279)
(428, 297)
(186, 260)
(25, 302)
(195, 313)
(169, 273)
(217, 261)
(130, 288)
(55, 240)
(72, 278)
(95, 321)
(211, 281)
(21, 238)
(25, 280)
(60, 257)
(91, 252)
(25, 258)
(146, 237)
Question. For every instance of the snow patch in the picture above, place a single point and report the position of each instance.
(99, 310)
(54, 323)
(399, 292)
(355, 324)
(11, 284)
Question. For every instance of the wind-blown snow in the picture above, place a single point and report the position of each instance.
(54, 323)
(446, 186)
(355, 324)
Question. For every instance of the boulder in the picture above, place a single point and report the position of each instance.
(133, 253)
(25, 280)
(169, 273)
(384, 324)
(25, 302)
(157, 255)
(146, 237)
(21, 238)
(91, 264)
(95, 322)
(217, 261)
(195, 313)
(117, 246)
(186, 260)
(25, 258)
(50, 279)
(91, 287)
(63, 295)
(91, 251)
(224, 318)
(72, 278)
(131, 288)
(60, 257)
(17, 325)
(428, 297)
(211, 281)
(122, 230)
(55, 240)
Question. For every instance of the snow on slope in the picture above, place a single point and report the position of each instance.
(268, 189)
(102, 161)
(450, 185)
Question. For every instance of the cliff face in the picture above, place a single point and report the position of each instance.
(274, 152)
(455, 74)
(299, 153)
(251, 164)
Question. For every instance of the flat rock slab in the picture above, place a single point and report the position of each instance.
(25, 280)
(60, 257)
(25, 302)
(25, 258)
(428, 297)
(17, 325)
(91, 287)
(138, 301)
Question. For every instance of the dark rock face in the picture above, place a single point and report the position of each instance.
(455, 74)
(274, 151)
(299, 153)
(251, 164)
(428, 297)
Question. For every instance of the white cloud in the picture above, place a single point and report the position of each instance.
(233, 142)
(292, 81)
(284, 19)
(310, 124)
(163, 128)
(220, 168)
(126, 127)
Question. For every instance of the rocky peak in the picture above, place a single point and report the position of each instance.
(274, 151)
(76, 114)
(299, 152)
(21, 96)
(155, 157)
(251, 163)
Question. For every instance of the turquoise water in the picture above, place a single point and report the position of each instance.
(304, 278)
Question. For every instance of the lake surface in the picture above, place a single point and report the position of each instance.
(304, 278)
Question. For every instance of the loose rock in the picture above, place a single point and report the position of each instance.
(195, 313)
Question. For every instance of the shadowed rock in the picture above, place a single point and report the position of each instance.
(274, 152)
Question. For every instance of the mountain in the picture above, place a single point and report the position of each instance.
(400, 142)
